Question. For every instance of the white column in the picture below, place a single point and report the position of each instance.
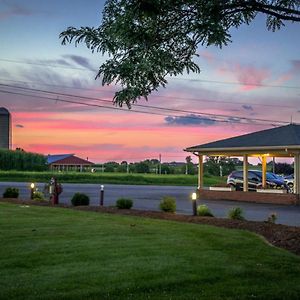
(264, 170)
(200, 171)
(245, 173)
(297, 174)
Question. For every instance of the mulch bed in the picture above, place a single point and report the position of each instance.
(287, 237)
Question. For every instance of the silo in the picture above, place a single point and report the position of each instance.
(5, 128)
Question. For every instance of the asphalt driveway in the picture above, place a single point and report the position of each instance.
(148, 197)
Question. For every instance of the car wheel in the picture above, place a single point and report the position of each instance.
(235, 188)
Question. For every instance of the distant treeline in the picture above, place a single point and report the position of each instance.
(21, 161)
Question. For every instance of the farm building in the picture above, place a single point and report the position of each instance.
(68, 162)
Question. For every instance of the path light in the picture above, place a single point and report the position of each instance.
(32, 186)
(101, 195)
(194, 200)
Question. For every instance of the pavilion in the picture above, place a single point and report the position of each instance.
(68, 162)
(281, 141)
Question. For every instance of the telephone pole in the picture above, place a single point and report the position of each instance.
(159, 163)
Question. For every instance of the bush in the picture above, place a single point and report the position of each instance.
(124, 203)
(80, 199)
(204, 211)
(11, 192)
(168, 204)
(39, 196)
(236, 214)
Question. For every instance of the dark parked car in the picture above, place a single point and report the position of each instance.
(235, 179)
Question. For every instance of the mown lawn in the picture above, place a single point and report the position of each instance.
(55, 253)
(113, 178)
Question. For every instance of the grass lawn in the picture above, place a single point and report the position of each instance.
(113, 178)
(54, 253)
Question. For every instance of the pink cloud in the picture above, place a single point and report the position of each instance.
(290, 74)
(249, 77)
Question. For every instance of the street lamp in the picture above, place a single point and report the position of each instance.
(194, 201)
(32, 186)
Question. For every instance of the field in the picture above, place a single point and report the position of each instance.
(113, 178)
(55, 253)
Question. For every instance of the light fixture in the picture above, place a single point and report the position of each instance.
(32, 188)
(194, 201)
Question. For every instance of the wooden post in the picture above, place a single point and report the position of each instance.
(264, 171)
(200, 171)
(245, 173)
(297, 174)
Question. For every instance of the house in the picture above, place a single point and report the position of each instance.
(68, 162)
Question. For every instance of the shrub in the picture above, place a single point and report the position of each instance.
(236, 214)
(11, 192)
(272, 218)
(204, 211)
(168, 204)
(39, 196)
(124, 203)
(80, 199)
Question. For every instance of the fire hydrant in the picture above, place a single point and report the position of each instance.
(55, 189)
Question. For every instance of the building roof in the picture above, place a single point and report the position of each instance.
(67, 159)
(4, 111)
(280, 137)
(73, 160)
(57, 157)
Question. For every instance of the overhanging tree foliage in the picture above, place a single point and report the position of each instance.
(150, 39)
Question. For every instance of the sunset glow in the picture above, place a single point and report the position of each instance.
(256, 77)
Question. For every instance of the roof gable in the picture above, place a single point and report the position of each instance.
(288, 135)
(68, 159)
(54, 158)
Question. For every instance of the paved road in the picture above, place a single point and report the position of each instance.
(148, 197)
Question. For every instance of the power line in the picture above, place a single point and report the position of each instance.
(155, 96)
(145, 106)
(107, 107)
(171, 77)
(239, 83)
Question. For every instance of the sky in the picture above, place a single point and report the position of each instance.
(257, 77)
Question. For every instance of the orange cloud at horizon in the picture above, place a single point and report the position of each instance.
(102, 137)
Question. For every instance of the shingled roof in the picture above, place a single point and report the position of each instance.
(67, 159)
(57, 157)
(279, 137)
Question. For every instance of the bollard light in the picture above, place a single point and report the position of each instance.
(32, 186)
(194, 200)
(101, 195)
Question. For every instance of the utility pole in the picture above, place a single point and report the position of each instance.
(160, 164)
